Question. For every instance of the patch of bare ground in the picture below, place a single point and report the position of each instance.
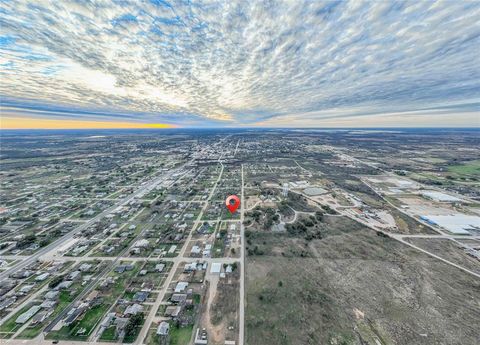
(408, 225)
(223, 311)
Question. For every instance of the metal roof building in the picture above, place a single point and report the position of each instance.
(28, 314)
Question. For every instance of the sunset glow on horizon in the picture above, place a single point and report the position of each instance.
(38, 123)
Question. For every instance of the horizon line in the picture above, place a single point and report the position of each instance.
(173, 127)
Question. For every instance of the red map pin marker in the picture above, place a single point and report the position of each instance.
(232, 203)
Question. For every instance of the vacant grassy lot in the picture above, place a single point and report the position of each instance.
(354, 287)
(91, 318)
(180, 335)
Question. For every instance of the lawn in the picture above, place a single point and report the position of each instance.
(196, 298)
(91, 318)
(109, 334)
(30, 332)
(128, 295)
(181, 335)
(62, 333)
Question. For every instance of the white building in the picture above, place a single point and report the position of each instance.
(163, 328)
(439, 196)
(460, 224)
(143, 243)
(172, 249)
(181, 286)
(216, 267)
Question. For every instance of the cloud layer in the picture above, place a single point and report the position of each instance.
(239, 62)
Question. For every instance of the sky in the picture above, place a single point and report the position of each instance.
(161, 63)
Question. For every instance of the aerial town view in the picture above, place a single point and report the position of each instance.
(239, 172)
(125, 237)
